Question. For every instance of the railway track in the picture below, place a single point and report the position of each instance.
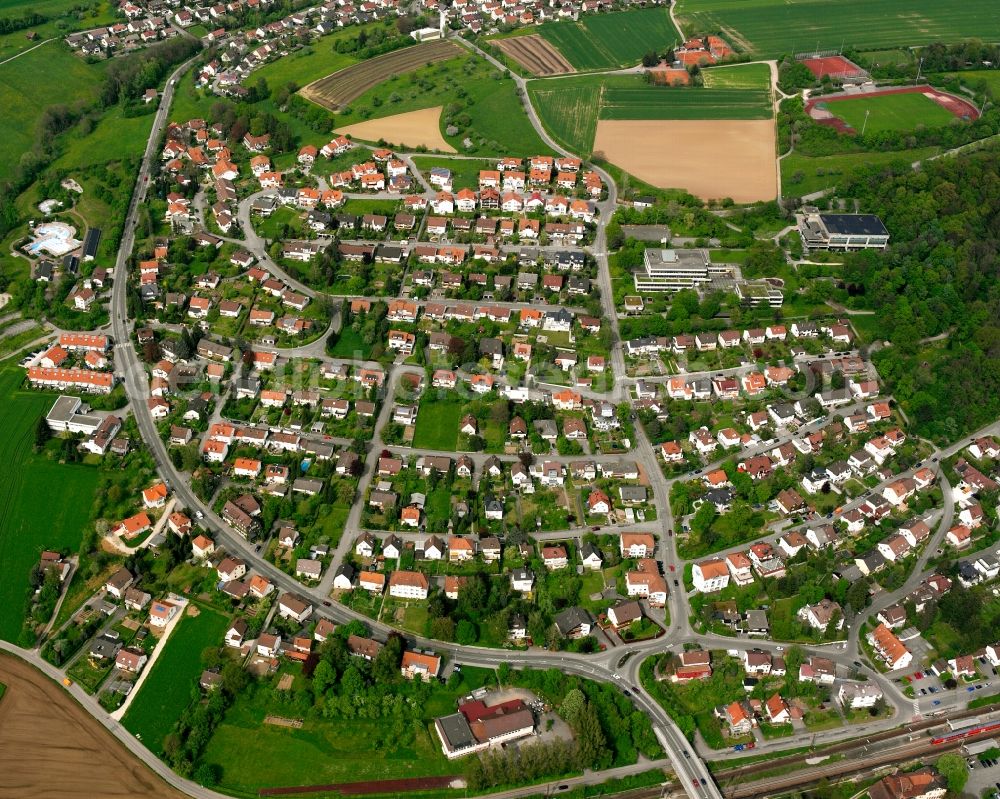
(734, 785)
(848, 746)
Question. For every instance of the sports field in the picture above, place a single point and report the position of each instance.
(29, 519)
(165, 693)
(770, 28)
(890, 112)
(607, 41)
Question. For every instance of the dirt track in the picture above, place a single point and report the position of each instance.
(412, 129)
(710, 159)
(51, 748)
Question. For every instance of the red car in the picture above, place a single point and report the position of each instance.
(672, 567)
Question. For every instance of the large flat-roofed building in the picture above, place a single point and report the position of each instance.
(756, 293)
(842, 231)
(672, 270)
(66, 416)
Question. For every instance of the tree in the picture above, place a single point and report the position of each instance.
(466, 632)
(954, 769)
(207, 774)
(42, 433)
(702, 519)
(324, 676)
(590, 740)
(857, 595)
(572, 705)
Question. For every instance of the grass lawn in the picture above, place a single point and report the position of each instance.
(802, 174)
(602, 41)
(112, 137)
(308, 64)
(740, 76)
(437, 423)
(486, 107)
(350, 344)
(166, 691)
(770, 28)
(24, 97)
(334, 521)
(464, 171)
(61, 17)
(30, 520)
(975, 77)
(256, 755)
(890, 112)
(366, 206)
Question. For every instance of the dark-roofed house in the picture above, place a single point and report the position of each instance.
(573, 622)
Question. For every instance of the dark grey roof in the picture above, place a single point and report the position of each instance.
(456, 731)
(854, 224)
(570, 619)
(91, 241)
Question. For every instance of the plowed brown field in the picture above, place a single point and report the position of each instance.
(51, 748)
(711, 159)
(337, 90)
(535, 54)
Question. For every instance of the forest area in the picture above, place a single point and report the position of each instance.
(941, 274)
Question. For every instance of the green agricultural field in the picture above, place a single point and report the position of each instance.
(644, 101)
(802, 174)
(486, 106)
(770, 28)
(167, 689)
(437, 423)
(738, 76)
(23, 96)
(608, 41)
(569, 112)
(29, 520)
(570, 107)
(896, 112)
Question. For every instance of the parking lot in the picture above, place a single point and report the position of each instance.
(984, 773)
